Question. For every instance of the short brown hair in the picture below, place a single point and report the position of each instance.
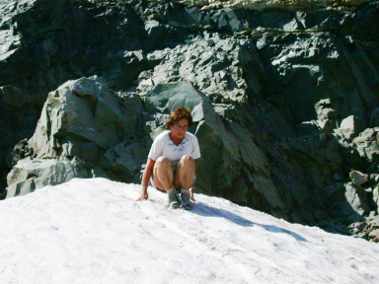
(179, 114)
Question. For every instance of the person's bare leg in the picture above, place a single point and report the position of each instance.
(163, 179)
(162, 174)
(186, 174)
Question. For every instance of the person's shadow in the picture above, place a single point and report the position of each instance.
(203, 209)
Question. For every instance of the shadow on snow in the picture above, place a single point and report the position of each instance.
(203, 209)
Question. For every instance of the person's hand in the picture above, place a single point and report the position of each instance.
(144, 196)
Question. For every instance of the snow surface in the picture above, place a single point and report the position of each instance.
(93, 231)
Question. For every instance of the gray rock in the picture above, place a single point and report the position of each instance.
(286, 4)
(367, 145)
(72, 41)
(375, 197)
(358, 178)
(210, 63)
(29, 175)
(227, 148)
(82, 120)
(326, 115)
(356, 198)
(126, 159)
(374, 221)
(81, 111)
(227, 19)
(374, 235)
(348, 127)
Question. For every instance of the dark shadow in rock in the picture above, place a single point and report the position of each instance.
(203, 209)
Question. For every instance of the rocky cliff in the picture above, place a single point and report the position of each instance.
(284, 95)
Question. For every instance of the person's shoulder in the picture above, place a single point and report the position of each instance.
(161, 136)
(191, 136)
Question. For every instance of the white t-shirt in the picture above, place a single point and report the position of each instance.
(163, 146)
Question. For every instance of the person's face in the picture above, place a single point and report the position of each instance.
(179, 129)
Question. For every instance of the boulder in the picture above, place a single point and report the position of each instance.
(358, 178)
(82, 120)
(28, 175)
(284, 4)
(125, 160)
(326, 115)
(43, 44)
(375, 196)
(357, 198)
(349, 128)
(81, 112)
(374, 235)
(16, 113)
(367, 145)
(227, 148)
(209, 62)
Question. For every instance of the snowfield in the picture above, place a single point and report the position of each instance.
(93, 231)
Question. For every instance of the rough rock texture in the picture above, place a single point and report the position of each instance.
(283, 4)
(85, 122)
(28, 175)
(228, 149)
(285, 100)
(45, 43)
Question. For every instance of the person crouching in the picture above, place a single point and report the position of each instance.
(171, 162)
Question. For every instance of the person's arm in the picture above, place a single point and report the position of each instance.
(148, 172)
(195, 156)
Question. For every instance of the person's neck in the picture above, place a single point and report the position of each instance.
(176, 140)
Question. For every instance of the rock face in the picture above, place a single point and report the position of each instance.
(43, 44)
(28, 175)
(285, 101)
(84, 130)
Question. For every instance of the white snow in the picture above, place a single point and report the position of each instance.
(93, 231)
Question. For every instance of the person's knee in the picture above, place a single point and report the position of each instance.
(186, 162)
(163, 161)
(162, 173)
(186, 159)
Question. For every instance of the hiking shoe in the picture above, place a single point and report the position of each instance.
(185, 199)
(173, 201)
